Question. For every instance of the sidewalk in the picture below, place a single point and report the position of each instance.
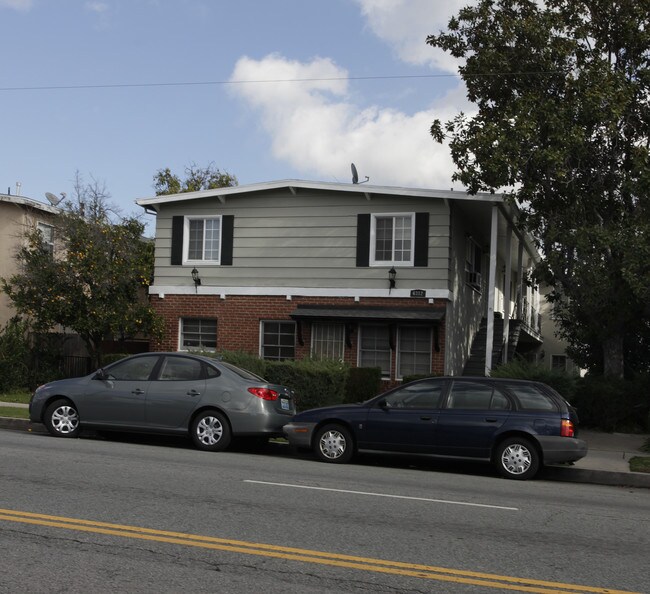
(607, 462)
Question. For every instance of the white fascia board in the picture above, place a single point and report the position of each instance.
(292, 292)
(294, 186)
(22, 201)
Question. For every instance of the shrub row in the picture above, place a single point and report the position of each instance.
(605, 403)
(314, 383)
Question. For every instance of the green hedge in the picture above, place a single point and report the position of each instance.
(315, 383)
(362, 383)
(605, 403)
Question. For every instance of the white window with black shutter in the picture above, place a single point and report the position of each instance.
(202, 240)
(393, 239)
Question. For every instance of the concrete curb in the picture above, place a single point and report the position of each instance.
(567, 474)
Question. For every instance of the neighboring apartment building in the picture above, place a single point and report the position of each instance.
(408, 280)
(17, 215)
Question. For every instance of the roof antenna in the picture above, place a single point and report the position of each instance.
(355, 176)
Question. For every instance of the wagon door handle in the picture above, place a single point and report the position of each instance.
(491, 420)
(425, 418)
(193, 393)
(138, 391)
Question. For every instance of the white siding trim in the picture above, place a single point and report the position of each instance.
(162, 290)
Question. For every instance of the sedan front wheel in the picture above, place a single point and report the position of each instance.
(333, 443)
(62, 419)
(210, 431)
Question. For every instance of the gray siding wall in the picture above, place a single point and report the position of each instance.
(306, 240)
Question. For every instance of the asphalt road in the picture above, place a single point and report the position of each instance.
(146, 515)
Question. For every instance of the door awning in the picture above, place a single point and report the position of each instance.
(369, 314)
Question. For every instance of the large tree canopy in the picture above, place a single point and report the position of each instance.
(562, 89)
(93, 284)
(196, 178)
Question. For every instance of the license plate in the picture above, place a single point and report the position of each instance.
(284, 404)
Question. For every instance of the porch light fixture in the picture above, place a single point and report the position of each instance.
(196, 278)
(392, 273)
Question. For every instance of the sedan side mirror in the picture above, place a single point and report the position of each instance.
(100, 375)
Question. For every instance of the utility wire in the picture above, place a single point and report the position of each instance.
(261, 81)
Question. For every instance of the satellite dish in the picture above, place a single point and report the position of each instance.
(355, 176)
(54, 200)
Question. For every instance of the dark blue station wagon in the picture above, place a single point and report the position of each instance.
(517, 425)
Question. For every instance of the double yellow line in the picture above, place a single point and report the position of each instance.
(304, 555)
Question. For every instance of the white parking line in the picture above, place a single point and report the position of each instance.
(500, 507)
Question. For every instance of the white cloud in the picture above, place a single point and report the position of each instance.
(96, 6)
(405, 25)
(314, 127)
(16, 4)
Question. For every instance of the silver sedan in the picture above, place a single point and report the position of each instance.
(168, 393)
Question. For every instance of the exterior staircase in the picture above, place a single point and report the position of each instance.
(475, 365)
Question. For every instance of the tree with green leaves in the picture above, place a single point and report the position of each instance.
(562, 90)
(196, 179)
(94, 283)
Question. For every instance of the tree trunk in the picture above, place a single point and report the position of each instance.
(613, 359)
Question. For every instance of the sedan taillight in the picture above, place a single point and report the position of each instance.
(567, 429)
(264, 393)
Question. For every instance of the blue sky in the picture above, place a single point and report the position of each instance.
(96, 87)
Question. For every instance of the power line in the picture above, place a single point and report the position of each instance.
(260, 81)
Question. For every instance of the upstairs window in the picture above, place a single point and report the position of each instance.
(473, 258)
(202, 240)
(203, 236)
(392, 237)
(47, 234)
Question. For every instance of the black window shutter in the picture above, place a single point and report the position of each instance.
(363, 240)
(421, 256)
(227, 236)
(177, 240)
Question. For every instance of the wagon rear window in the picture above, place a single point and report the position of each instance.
(530, 397)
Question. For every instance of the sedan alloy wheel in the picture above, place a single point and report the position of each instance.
(210, 431)
(62, 419)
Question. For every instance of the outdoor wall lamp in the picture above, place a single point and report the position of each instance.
(392, 273)
(196, 278)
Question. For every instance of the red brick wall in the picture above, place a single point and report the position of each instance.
(238, 320)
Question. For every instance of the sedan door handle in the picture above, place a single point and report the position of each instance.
(193, 393)
(138, 391)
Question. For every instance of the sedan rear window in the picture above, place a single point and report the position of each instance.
(530, 397)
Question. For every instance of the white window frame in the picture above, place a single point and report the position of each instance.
(398, 370)
(186, 239)
(386, 374)
(262, 345)
(341, 346)
(181, 334)
(560, 358)
(373, 239)
(48, 242)
(473, 264)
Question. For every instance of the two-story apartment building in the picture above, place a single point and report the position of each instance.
(397, 278)
(19, 214)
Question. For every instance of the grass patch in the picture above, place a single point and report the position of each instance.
(21, 396)
(14, 413)
(640, 464)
